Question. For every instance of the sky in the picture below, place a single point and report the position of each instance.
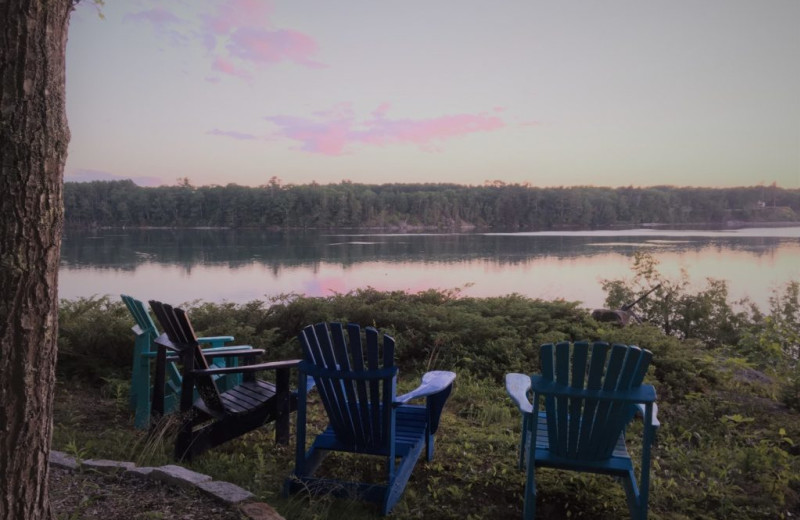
(611, 93)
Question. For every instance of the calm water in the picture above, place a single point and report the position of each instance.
(239, 266)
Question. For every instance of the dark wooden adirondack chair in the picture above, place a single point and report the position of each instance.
(144, 354)
(216, 417)
(590, 393)
(357, 385)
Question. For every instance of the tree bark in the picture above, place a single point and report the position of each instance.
(33, 148)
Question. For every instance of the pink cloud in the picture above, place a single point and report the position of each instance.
(327, 137)
(381, 110)
(156, 16)
(165, 24)
(240, 136)
(383, 131)
(225, 66)
(263, 46)
(330, 133)
(246, 33)
(240, 13)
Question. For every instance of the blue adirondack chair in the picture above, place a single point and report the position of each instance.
(144, 354)
(357, 386)
(590, 393)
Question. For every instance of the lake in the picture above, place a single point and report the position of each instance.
(216, 265)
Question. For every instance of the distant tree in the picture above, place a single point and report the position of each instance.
(33, 149)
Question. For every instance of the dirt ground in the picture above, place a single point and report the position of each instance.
(89, 494)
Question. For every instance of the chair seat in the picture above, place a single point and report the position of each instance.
(242, 399)
(410, 430)
(619, 462)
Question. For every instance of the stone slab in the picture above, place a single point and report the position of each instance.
(225, 491)
(62, 460)
(259, 511)
(143, 472)
(179, 476)
(107, 466)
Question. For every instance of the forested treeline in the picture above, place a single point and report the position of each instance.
(443, 206)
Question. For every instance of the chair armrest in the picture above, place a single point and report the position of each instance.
(164, 341)
(517, 386)
(244, 351)
(432, 383)
(640, 413)
(215, 340)
(137, 330)
(211, 350)
(273, 365)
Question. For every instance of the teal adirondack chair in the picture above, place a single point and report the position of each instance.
(357, 386)
(144, 353)
(590, 393)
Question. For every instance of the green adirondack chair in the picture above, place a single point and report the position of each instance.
(590, 394)
(357, 386)
(144, 354)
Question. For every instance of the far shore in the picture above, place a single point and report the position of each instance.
(466, 227)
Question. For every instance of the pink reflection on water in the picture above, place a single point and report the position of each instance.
(550, 277)
(326, 286)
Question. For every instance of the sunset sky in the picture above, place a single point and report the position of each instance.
(611, 93)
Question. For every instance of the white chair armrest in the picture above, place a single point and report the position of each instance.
(517, 386)
(432, 383)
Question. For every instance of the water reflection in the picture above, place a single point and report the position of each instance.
(240, 265)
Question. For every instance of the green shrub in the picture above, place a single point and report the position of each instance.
(727, 446)
(94, 339)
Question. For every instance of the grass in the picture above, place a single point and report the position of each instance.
(728, 447)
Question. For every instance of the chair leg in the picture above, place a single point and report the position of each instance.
(524, 442)
(397, 483)
(140, 392)
(282, 406)
(529, 507)
(528, 447)
(632, 494)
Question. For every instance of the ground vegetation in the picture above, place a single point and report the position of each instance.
(726, 377)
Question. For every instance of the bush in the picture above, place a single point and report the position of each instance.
(706, 315)
(94, 339)
(726, 446)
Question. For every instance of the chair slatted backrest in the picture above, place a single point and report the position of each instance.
(180, 332)
(141, 317)
(582, 427)
(146, 333)
(356, 388)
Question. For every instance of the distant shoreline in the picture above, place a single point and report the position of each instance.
(731, 224)
(707, 226)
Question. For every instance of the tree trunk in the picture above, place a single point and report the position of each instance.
(33, 148)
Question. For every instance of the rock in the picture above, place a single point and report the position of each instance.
(107, 466)
(178, 476)
(225, 491)
(142, 472)
(259, 511)
(62, 460)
